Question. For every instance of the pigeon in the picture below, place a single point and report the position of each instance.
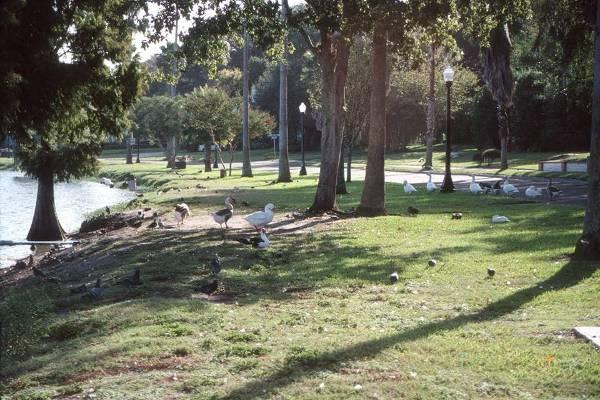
(394, 277)
(432, 263)
(134, 279)
(210, 288)
(79, 289)
(412, 211)
(491, 272)
(97, 290)
(215, 264)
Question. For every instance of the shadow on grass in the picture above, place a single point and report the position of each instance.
(569, 275)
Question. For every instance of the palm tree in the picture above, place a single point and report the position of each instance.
(497, 74)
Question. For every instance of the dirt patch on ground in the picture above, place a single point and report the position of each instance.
(136, 366)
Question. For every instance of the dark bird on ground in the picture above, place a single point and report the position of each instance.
(139, 194)
(38, 272)
(394, 277)
(486, 186)
(32, 248)
(107, 209)
(553, 191)
(432, 263)
(140, 215)
(147, 209)
(215, 264)
(222, 216)
(78, 289)
(456, 215)
(412, 211)
(261, 241)
(491, 272)
(134, 279)
(209, 288)
(97, 290)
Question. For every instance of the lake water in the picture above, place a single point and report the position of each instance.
(73, 201)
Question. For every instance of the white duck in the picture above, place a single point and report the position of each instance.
(475, 187)
(259, 219)
(263, 242)
(106, 181)
(408, 188)
(500, 219)
(509, 188)
(181, 211)
(533, 192)
(222, 216)
(431, 187)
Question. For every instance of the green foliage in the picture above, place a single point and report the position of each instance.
(159, 118)
(73, 86)
(72, 328)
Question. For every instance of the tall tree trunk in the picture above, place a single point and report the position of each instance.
(372, 201)
(207, 157)
(497, 74)
(45, 224)
(284, 164)
(341, 183)
(588, 246)
(334, 54)
(171, 151)
(430, 110)
(246, 165)
(503, 133)
(349, 166)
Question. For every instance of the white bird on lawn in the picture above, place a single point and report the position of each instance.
(500, 219)
(408, 188)
(222, 216)
(259, 219)
(475, 187)
(181, 211)
(509, 188)
(533, 192)
(431, 187)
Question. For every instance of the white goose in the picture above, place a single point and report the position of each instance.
(181, 211)
(259, 219)
(408, 188)
(431, 187)
(533, 192)
(222, 216)
(475, 187)
(509, 188)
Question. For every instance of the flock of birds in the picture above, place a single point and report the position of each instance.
(258, 220)
(498, 187)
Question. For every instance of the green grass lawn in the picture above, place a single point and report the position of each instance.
(411, 160)
(314, 315)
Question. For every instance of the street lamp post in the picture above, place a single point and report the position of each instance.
(138, 146)
(129, 155)
(302, 109)
(448, 185)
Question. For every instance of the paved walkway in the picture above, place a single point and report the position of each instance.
(574, 191)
